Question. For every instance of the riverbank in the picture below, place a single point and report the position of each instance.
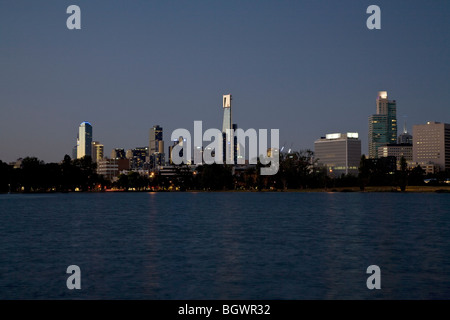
(409, 189)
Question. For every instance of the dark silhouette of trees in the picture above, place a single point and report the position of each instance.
(297, 170)
(402, 174)
(364, 173)
(416, 176)
(214, 177)
(36, 176)
(133, 180)
(7, 177)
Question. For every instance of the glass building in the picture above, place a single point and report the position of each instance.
(383, 124)
(84, 141)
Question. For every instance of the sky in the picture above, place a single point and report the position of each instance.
(306, 68)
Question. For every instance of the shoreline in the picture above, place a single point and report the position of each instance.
(371, 189)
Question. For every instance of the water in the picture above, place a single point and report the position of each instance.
(225, 245)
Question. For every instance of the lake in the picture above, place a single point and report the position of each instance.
(225, 245)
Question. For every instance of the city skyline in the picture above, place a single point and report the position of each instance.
(302, 67)
(156, 133)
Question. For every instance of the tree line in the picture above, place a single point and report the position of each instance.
(297, 170)
(33, 175)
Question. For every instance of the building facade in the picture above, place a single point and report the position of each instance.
(84, 141)
(97, 151)
(138, 157)
(405, 137)
(228, 140)
(383, 124)
(111, 168)
(340, 153)
(398, 151)
(156, 146)
(118, 153)
(74, 152)
(432, 144)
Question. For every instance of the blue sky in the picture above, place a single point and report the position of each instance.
(305, 67)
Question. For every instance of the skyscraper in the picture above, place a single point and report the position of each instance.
(97, 151)
(84, 141)
(383, 124)
(405, 137)
(175, 142)
(74, 151)
(156, 146)
(137, 157)
(118, 153)
(432, 144)
(228, 141)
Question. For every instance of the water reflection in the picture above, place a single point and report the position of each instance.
(225, 245)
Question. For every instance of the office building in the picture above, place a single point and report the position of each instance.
(398, 151)
(97, 151)
(138, 157)
(228, 141)
(340, 153)
(118, 153)
(383, 124)
(111, 168)
(198, 154)
(84, 141)
(178, 141)
(405, 137)
(156, 146)
(431, 144)
(74, 152)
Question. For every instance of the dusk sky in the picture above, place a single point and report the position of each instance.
(305, 67)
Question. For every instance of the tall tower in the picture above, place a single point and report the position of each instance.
(405, 137)
(383, 124)
(156, 146)
(84, 141)
(228, 141)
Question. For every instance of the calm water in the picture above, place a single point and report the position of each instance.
(225, 245)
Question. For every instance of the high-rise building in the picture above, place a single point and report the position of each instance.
(383, 124)
(137, 157)
(340, 153)
(235, 144)
(175, 142)
(156, 135)
(97, 151)
(432, 144)
(84, 141)
(118, 153)
(156, 146)
(74, 152)
(405, 137)
(229, 144)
